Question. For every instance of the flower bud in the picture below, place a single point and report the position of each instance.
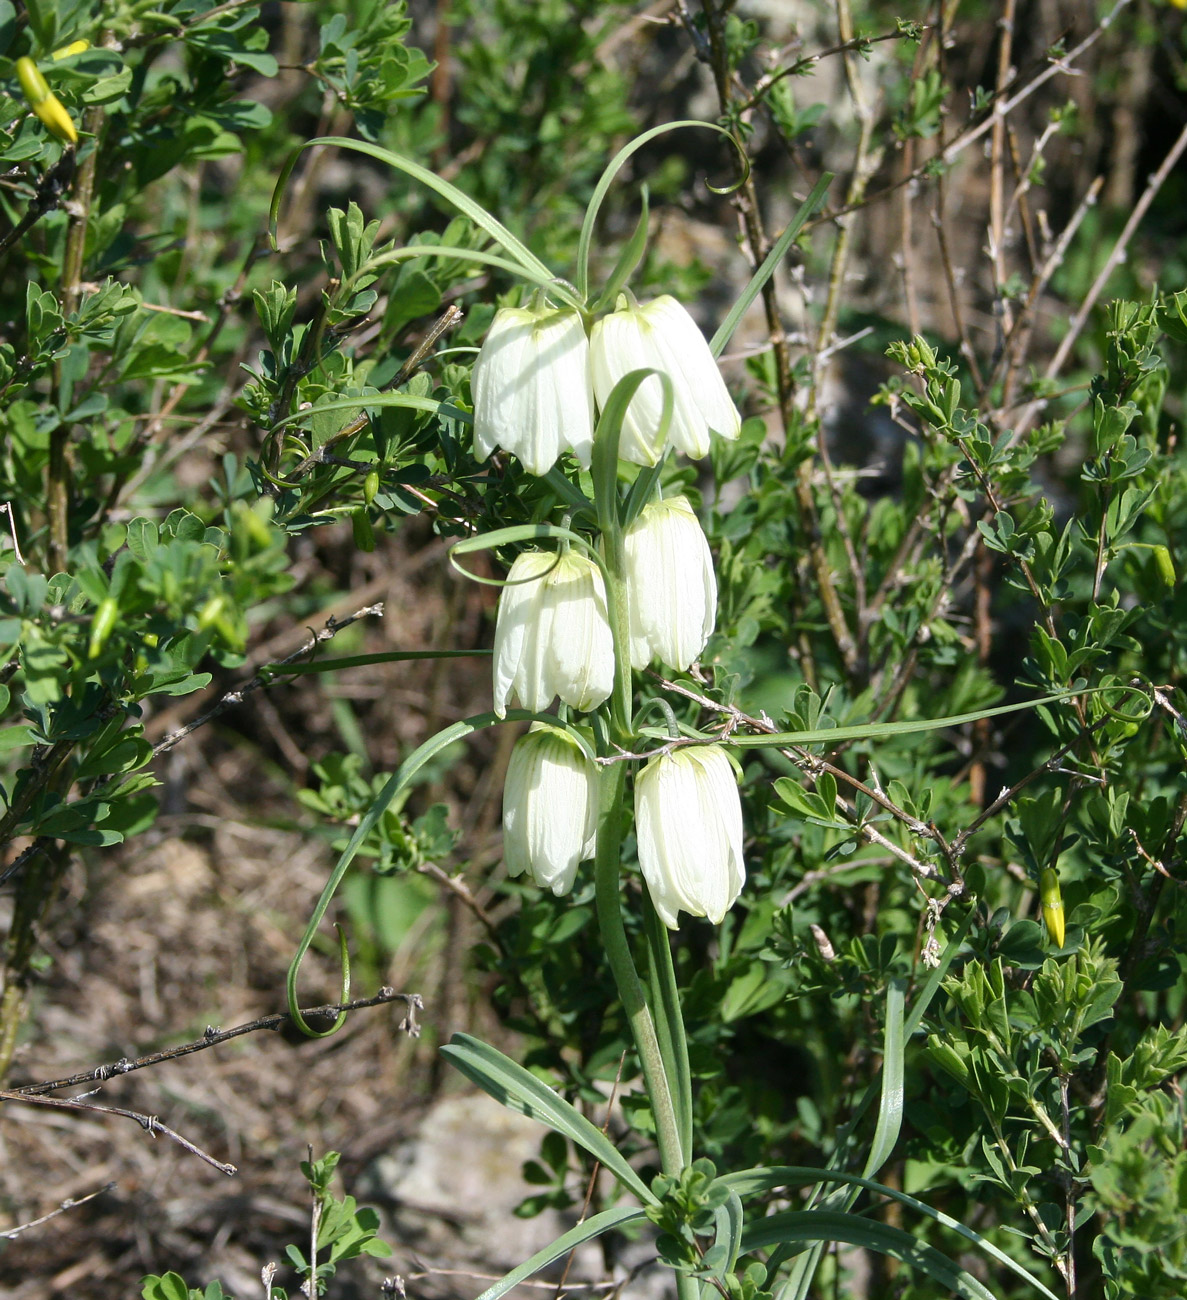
(688, 822)
(552, 633)
(75, 47)
(1051, 899)
(33, 84)
(661, 335)
(531, 387)
(48, 107)
(670, 585)
(550, 808)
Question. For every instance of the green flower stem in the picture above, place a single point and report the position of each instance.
(666, 996)
(662, 1059)
(616, 610)
(607, 864)
(658, 1067)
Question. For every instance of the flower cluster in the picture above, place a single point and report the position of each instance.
(538, 381)
(538, 375)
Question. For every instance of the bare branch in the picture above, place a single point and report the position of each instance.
(150, 1123)
(262, 679)
(212, 1037)
(70, 1203)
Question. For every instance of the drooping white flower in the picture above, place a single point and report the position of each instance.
(531, 387)
(671, 588)
(550, 808)
(552, 634)
(661, 335)
(688, 821)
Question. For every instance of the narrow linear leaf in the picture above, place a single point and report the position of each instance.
(875, 730)
(519, 251)
(809, 1227)
(613, 167)
(751, 1182)
(728, 1219)
(519, 1090)
(518, 533)
(725, 331)
(409, 252)
(604, 464)
(355, 404)
(359, 661)
(583, 1232)
(890, 1109)
(629, 258)
(399, 779)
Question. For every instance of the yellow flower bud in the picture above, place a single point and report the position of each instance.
(1052, 903)
(32, 82)
(48, 107)
(75, 47)
(53, 113)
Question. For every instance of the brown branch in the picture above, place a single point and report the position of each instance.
(1117, 253)
(70, 1203)
(813, 765)
(213, 1037)
(262, 678)
(971, 134)
(150, 1123)
(51, 189)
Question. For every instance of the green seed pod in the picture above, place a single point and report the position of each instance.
(102, 626)
(1052, 902)
(364, 537)
(370, 487)
(1165, 566)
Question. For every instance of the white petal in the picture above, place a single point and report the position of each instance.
(702, 399)
(552, 634)
(549, 808)
(531, 387)
(689, 831)
(661, 335)
(582, 663)
(671, 586)
(516, 628)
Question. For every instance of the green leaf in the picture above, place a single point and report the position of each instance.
(725, 331)
(875, 730)
(793, 1227)
(751, 1182)
(399, 779)
(519, 252)
(728, 1219)
(890, 1110)
(583, 1232)
(520, 1090)
(367, 400)
(607, 179)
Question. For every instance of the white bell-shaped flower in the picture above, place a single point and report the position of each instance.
(688, 822)
(671, 588)
(550, 808)
(531, 387)
(552, 634)
(661, 335)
